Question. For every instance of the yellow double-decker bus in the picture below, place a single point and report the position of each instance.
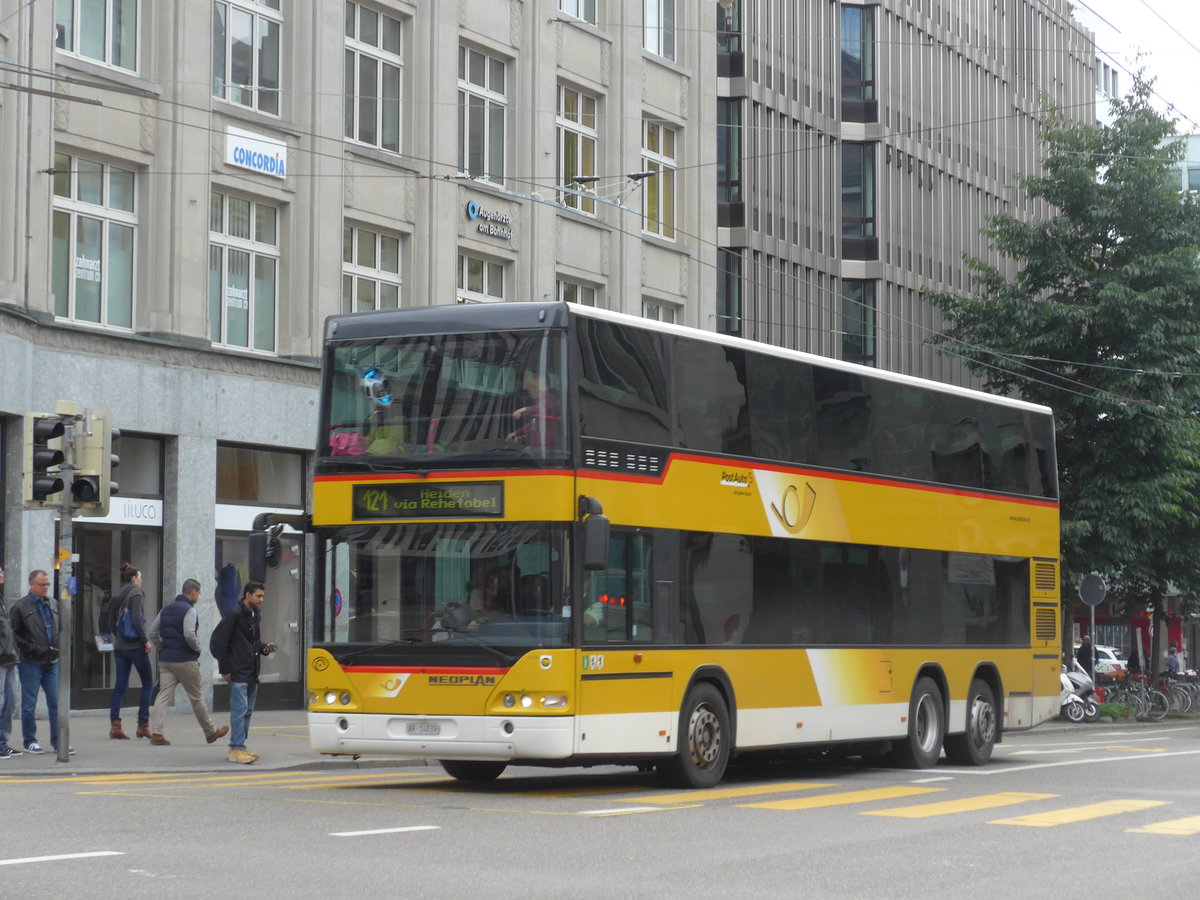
(555, 535)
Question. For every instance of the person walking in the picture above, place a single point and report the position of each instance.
(176, 633)
(237, 644)
(35, 625)
(1086, 656)
(8, 677)
(131, 650)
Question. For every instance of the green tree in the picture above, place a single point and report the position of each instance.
(1102, 323)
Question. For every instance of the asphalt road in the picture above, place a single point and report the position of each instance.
(1059, 811)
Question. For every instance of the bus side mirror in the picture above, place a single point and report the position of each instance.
(595, 543)
(595, 534)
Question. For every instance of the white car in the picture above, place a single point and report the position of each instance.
(1108, 659)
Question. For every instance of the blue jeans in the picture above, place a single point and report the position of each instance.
(241, 706)
(140, 660)
(8, 701)
(35, 676)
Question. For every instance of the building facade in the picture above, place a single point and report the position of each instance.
(188, 189)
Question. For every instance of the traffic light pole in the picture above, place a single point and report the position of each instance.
(66, 582)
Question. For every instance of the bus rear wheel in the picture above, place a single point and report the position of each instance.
(473, 770)
(926, 728)
(704, 741)
(974, 746)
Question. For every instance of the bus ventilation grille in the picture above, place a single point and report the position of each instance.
(596, 456)
(1044, 625)
(1043, 577)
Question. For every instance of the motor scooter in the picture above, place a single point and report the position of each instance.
(1078, 695)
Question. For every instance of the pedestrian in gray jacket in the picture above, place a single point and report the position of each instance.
(130, 651)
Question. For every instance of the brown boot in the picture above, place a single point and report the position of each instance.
(218, 734)
(116, 733)
(159, 741)
(143, 729)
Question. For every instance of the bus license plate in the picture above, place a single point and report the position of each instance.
(424, 728)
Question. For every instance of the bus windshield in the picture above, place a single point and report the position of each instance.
(494, 584)
(494, 395)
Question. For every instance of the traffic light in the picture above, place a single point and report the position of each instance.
(92, 483)
(42, 484)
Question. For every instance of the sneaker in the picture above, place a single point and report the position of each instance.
(34, 747)
(238, 755)
(7, 752)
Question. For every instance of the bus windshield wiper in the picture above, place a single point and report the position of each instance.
(375, 645)
(507, 658)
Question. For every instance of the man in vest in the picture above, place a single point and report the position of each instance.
(175, 632)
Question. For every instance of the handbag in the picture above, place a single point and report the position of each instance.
(125, 626)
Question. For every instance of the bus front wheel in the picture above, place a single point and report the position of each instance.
(473, 770)
(704, 741)
(974, 746)
(926, 728)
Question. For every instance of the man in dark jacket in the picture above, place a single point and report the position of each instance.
(8, 677)
(35, 626)
(176, 633)
(236, 644)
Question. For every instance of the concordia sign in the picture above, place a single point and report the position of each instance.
(264, 155)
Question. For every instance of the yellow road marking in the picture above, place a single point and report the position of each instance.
(970, 804)
(1190, 825)
(1080, 813)
(845, 799)
(726, 793)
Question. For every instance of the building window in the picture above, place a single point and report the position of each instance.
(580, 9)
(858, 321)
(658, 159)
(373, 77)
(659, 311)
(95, 230)
(729, 150)
(575, 292)
(1193, 178)
(479, 280)
(370, 270)
(858, 190)
(576, 125)
(245, 47)
(658, 28)
(729, 26)
(103, 30)
(481, 110)
(259, 477)
(729, 291)
(243, 272)
(858, 53)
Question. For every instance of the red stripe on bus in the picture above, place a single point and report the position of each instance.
(445, 474)
(429, 670)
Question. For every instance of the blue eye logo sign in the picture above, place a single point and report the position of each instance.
(472, 210)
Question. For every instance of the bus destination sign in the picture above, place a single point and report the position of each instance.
(444, 500)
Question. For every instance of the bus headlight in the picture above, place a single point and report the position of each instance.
(526, 701)
(554, 701)
(330, 698)
(510, 701)
(345, 698)
(312, 699)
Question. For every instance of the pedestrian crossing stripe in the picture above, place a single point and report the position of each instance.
(727, 793)
(968, 804)
(1074, 814)
(844, 799)
(1188, 826)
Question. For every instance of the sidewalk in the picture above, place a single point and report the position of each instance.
(280, 737)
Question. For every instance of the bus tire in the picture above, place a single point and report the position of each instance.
(704, 741)
(974, 746)
(473, 770)
(926, 728)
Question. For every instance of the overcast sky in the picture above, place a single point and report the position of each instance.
(1166, 34)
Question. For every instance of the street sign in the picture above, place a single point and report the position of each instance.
(1092, 590)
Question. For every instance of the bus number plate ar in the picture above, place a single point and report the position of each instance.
(440, 500)
(424, 728)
